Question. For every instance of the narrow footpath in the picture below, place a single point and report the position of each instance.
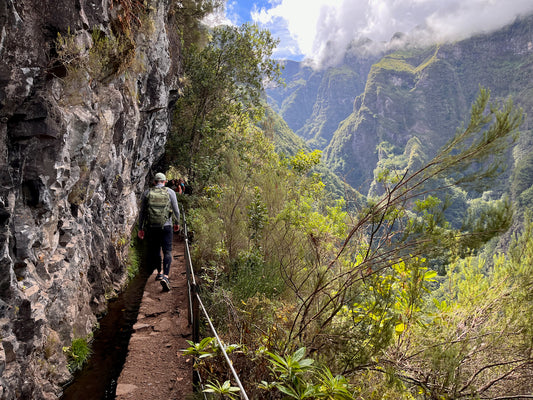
(155, 367)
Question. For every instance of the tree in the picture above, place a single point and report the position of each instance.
(223, 84)
(473, 339)
(189, 15)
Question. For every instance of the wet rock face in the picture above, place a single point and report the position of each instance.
(75, 153)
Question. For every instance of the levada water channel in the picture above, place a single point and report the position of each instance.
(98, 379)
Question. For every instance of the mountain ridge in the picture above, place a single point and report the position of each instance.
(422, 92)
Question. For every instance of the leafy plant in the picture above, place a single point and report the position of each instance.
(223, 391)
(251, 275)
(296, 377)
(290, 366)
(333, 387)
(291, 370)
(77, 353)
(206, 348)
(257, 214)
(135, 252)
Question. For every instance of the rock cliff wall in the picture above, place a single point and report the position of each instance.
(76, 149)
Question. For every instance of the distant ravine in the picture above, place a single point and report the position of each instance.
(394, 98)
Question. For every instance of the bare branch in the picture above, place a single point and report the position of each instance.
(473, 377)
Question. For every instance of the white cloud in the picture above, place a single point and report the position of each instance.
(293, 24)
(231, 12)
(319, 28)
(475, 16)
(226, 16)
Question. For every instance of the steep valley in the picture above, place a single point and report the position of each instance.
(369, 111)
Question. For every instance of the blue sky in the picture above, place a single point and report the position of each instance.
(319, 29)
(240, 11)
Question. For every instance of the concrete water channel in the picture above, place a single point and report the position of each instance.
(98, 378)
(136, 352)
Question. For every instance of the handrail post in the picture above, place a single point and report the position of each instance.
(189, 284)
(195, 314)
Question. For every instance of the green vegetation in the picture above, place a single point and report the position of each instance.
(396, 64)
(223, 391)
(77, 353)
(102, 58)
(276, 129)
(222, 92)
(389, 298)
(135, 252)
(188, 15)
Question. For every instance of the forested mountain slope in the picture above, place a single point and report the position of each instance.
(313, 102)
(410, 103)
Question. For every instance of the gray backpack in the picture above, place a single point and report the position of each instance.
(158, 206)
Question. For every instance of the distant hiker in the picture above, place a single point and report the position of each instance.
(159, 212)
(181, 186)
(174, 185)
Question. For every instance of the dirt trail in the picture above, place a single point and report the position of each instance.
(155, 367)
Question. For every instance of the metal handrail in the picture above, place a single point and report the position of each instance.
(239, 384)
(193, 308)
(191, 280)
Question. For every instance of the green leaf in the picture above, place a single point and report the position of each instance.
(429, 275)
(298, 354)
(306, 362)
(399, 328)
(288, 391)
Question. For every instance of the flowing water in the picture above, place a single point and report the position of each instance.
(98, 379)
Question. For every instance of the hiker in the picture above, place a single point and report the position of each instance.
(174, 185)
(159, 213)
(187, 187)
(181, 186)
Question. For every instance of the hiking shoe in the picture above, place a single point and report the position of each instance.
(158, 277)
(165, 283)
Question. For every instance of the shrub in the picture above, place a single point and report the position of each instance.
(251, 275)
(77, 353)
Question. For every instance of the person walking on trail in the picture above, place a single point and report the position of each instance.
(158, 215)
